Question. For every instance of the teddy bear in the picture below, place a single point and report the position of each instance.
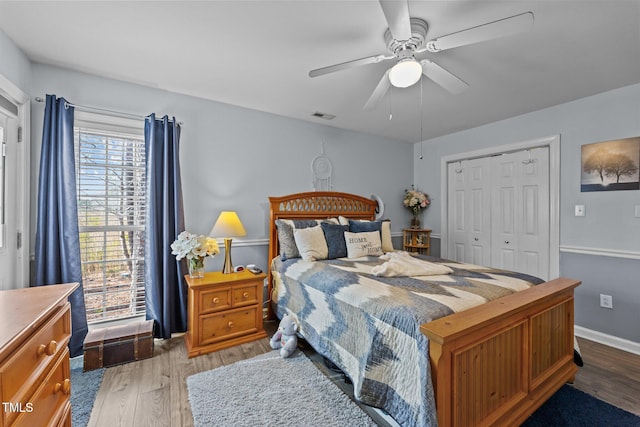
(285, 337)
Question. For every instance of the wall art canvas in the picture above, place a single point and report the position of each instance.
(611, 165)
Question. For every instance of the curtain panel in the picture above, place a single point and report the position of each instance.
(165, 290)
(57, 248)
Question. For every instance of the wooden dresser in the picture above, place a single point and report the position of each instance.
(224, 310)
(34, 359)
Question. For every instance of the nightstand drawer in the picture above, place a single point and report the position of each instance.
(222, 326)
(246, 295)
(215, 300)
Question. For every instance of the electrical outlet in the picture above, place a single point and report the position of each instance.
(606, 301)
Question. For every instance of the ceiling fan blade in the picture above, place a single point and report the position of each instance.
(379, 92)
(493, 30)
(348, 64)
(444, 78)
(397, 15)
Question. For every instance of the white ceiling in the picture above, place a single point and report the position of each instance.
(257, 54)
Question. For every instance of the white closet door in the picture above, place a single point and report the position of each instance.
(520, 212)
(470, 211)
(479, 196)
(457, 209)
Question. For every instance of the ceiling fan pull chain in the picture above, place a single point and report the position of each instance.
(421, 115)
(390, 108)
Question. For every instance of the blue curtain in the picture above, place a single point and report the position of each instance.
(57, 250)
(165, 290)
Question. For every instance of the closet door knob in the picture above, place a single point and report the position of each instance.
(506, 242)
(476, 239)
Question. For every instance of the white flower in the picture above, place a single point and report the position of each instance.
(415, 200)
(189, 246)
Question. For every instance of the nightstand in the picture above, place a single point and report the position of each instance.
(417, 240)
(224, 310)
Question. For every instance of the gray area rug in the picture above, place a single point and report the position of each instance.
(84, 387)
(268, 390)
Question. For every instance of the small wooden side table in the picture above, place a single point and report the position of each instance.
(224, 310)
(417, 240)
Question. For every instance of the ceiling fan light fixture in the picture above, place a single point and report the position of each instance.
(405, 73)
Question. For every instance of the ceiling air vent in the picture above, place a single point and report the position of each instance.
(324, 116)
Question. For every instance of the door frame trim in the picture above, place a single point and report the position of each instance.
(553, 142)
(22, 100)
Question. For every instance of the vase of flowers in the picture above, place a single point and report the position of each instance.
(416, 201)
(195, 248)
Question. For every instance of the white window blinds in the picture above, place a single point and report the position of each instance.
(110, 171)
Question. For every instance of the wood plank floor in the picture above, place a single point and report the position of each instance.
(153, 392)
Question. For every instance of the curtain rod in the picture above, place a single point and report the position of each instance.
(104, 110)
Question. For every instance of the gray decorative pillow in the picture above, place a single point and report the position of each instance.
(288, 248)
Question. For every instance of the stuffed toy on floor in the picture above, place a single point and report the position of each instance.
(285, 337)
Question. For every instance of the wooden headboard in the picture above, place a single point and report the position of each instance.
(314, 205)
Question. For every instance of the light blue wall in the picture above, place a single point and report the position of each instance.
(14, 65)
(609, 224)
(234, 158)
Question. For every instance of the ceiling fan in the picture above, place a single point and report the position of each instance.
(406, 37)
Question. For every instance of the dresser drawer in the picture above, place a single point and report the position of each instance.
(245, 295)
(215, 300)
(232, 323)
(19, 374)
(48, 403)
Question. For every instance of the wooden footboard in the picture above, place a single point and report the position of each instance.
(495, 364)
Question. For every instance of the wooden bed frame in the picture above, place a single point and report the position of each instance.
(493, 364)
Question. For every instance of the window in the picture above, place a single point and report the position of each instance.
(110, 171)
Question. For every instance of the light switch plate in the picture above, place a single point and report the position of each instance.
(580, 211)
(637, 211)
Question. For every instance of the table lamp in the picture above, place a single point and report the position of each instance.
(228, 225)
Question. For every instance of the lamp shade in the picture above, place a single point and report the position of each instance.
(405, 73)
(228, 225)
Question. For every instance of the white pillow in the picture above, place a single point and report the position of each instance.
(385, 233)
(363, 244)
(311, 243)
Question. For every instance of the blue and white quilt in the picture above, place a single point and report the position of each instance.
(370, 326)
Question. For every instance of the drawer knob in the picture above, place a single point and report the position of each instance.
(216, 300)
(65, 387)
(245, 295)
(230, 325)
(49, 349)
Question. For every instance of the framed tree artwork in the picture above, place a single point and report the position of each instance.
(611, 165)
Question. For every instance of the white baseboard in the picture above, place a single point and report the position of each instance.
(610, 340)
